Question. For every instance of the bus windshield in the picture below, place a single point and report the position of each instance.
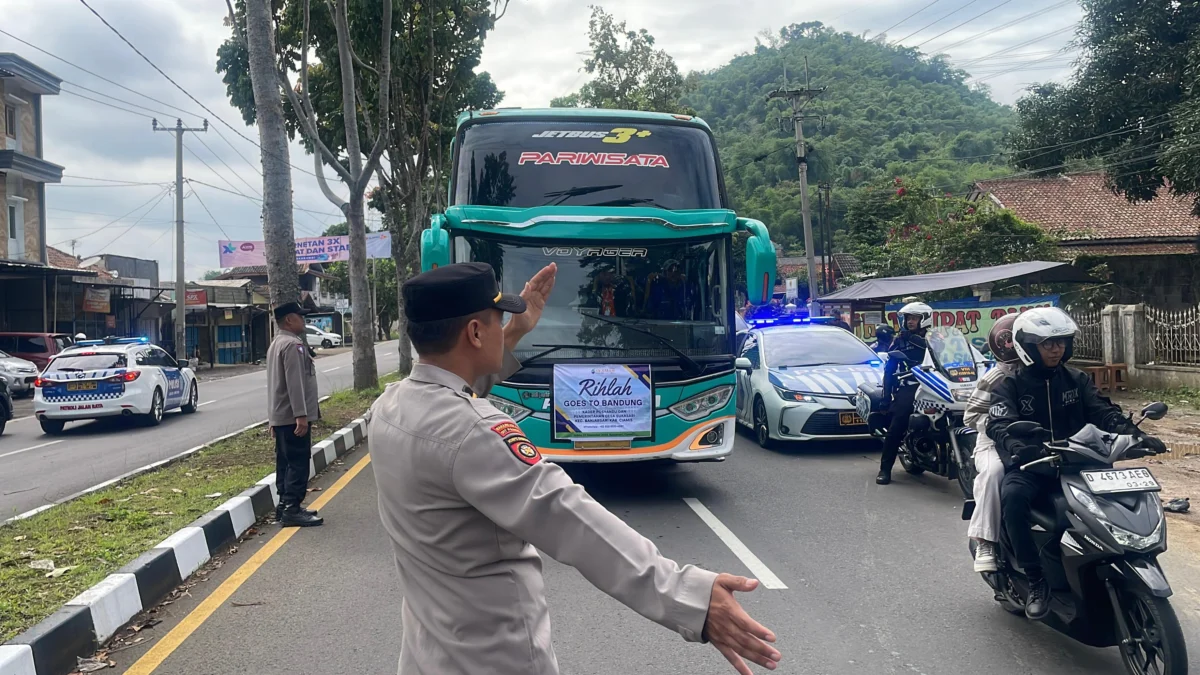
(571, 163)
(625, 300)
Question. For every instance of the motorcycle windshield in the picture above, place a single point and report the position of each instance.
(952, 353)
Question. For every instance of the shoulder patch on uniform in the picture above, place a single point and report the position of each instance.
(517, 443)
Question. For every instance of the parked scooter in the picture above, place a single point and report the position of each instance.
(936, 441)
(1100, 539)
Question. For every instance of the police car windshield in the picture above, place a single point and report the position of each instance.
(802, 348)
(675, 291)
(79, 362)
(595, 163)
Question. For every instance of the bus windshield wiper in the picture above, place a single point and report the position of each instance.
(553, 348)
(564, 195)
(631, 201)
(683, 357)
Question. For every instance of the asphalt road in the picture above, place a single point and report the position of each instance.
(878, 580)
(36, 469)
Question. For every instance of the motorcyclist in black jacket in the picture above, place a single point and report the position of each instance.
(1062, 400)
(915, 319)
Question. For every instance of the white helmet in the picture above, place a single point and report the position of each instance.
(920, 309)
(80, 336)
(1039, 324)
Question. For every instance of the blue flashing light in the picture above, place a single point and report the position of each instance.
(875, 363)
(88, 343)
(143, 340)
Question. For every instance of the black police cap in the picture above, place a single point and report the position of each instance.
(289, 308)
(456, 290)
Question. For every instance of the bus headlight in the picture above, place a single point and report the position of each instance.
(516, 411)
(699, 406)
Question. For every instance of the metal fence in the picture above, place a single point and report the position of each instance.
(1089, 341)
(1173, 336)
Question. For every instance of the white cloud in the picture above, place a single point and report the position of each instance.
(534, 54)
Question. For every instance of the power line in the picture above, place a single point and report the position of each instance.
(963, 24)
(177, 85)
(207, 166)
(235, 173)
(110, 105)
(132, 225)
(256, 199)
(1015, 47)
(108, 180)
(901, 21)
(921, 29)
(1011, 70)
(210, 215)
(1007, 25)
(120, 218)
(118, 100)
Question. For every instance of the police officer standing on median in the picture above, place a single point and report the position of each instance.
(468, 502)
(291, 408)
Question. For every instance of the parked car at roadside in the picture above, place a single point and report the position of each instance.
(17, 374)
(319, 338)
(36, 347)
(6, 406)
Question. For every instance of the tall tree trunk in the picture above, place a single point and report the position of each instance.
(278, 235)
(365, 374)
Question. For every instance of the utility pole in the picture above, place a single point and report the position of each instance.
(799, 98)
(180, 283)
(825, 189)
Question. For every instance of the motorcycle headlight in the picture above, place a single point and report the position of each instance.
(1121, 535)
(962, 395)
(697, 407)
(516, 411)
(789, 395)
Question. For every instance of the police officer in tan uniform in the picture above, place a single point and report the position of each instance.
(292, 407)
(466, 498)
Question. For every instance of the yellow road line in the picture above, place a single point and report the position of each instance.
(154, 658)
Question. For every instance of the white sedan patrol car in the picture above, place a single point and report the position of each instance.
(799, 381)
(109, 378)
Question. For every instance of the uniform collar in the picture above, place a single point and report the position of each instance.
(424, 372)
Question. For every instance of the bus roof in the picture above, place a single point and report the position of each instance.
(579, 114)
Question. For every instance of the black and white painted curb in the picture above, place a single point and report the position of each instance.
(79, 627)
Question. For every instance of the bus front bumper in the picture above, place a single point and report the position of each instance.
(708, 441)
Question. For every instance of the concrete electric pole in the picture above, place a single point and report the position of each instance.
(180, 282)
(799, 98)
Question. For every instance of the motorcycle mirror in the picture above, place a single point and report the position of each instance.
(897, 354)
(1155, 411)
(1024, 428)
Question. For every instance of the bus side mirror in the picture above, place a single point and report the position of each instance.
(760, 262)
(435, 244)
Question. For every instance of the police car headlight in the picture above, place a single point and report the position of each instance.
(697, 407)
(516, 411)
(789, 395)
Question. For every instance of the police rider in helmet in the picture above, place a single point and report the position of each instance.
(1043, 389)
(915, 319)
(985, 520)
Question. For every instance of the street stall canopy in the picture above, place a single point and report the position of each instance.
(1036, 271)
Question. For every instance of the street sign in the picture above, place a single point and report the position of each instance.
(793, 290)
(342, 305)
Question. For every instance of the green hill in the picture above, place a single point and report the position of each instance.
(889, 112)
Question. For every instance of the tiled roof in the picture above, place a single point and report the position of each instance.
(1149, 248)
(64, 260)
(1080, 207)
(261, 271)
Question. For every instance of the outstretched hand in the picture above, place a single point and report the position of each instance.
(731, 630)
(535, 294)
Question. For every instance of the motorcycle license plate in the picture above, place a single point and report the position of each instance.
(850, 419)
(81, 386)
(1120, 480)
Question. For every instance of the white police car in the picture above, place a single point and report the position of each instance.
(110, 378)
(798, 380)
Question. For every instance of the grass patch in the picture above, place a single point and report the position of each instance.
(1182, 396)
(99, 533)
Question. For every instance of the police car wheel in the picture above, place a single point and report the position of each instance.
(762, 429)
(190, 406)
(52, 427)
(154, 417)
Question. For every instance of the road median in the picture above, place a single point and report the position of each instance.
(72, 575)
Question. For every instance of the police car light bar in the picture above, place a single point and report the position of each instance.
(88, 343)
(133, 340)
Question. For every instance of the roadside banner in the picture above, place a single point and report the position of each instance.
(609, 401)
(308, 250)
(96, 300)
(973, 317)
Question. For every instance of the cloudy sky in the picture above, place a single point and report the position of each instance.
(534, 55)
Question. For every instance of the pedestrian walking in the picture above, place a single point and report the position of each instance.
(468, 502)
(291, 409)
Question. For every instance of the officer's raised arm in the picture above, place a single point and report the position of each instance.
(499, 472)
(536, 292)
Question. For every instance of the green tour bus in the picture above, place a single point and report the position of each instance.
(633, 358)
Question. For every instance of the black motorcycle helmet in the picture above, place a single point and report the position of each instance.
(1000, 339)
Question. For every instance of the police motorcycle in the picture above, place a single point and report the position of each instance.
(1106, 584)
(936, 441)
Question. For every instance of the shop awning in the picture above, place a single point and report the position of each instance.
(1037, 271)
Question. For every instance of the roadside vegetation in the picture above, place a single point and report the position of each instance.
(48, 559)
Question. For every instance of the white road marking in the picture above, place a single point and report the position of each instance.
(35, 447)
(332, 369)
(764, 575)
(201, 405)
(18, 419)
